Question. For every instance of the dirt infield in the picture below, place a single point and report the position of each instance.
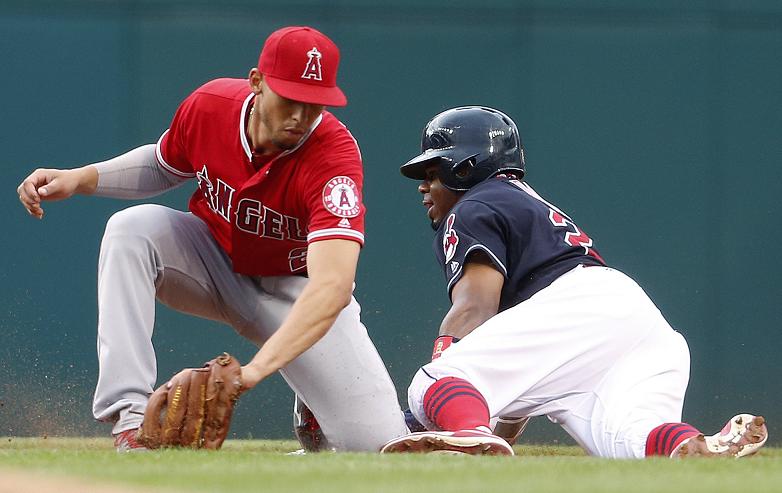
(15, 481)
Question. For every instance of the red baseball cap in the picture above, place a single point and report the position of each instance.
(300, 63)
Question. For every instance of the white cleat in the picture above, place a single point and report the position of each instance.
(470, 442)
(743, 435)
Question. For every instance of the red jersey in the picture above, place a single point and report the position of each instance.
(263, 212)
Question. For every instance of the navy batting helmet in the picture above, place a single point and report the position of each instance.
(469, 144)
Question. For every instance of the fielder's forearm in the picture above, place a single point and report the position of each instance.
(310, 318)
(331, 265)
(461, 320)
(475, 298)
(87, 179)
(133, 175)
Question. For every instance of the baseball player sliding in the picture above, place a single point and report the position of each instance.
(543, 326)
(269, 247)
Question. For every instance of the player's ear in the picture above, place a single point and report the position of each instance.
(255, 79)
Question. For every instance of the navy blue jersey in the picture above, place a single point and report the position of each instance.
(529, 240)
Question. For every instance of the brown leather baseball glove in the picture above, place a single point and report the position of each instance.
(194, 408)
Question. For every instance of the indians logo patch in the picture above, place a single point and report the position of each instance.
(340, 196)
(450, 239)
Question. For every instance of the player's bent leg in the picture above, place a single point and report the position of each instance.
(341, 378)
(455, 406)
(443, 400)
(126, 305)
(148, 251)
(453, 403)
(346, 385)
(644, 390)
(532, 368)
(152, 251)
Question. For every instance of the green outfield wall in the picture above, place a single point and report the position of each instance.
(656, 125)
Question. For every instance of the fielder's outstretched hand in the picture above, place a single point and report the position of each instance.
(54, 184)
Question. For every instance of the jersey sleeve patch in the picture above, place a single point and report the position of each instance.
(450, 239)
(470, 227)
(341, 197)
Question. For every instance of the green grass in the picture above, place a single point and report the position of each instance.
(258, 465)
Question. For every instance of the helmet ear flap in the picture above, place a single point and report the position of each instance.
(463, 170)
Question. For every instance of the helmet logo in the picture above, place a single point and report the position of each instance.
(496, 133)
(340, 197)
(312, 70)
(450, 238)
(438, 140)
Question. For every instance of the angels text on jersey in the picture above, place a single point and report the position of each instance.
(251, 215)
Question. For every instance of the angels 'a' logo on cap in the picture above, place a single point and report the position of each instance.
(340, 196)
(312, 70)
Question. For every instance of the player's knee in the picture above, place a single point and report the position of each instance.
(132, 220)
(129, 231)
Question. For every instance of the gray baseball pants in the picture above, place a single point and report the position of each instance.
(153, 252)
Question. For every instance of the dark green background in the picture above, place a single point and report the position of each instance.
(654, 124)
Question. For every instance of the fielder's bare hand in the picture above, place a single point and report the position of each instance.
(55, 184)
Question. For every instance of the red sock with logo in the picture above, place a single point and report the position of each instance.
(454, 404)
(665, 438)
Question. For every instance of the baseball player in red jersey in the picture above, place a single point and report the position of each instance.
(269, 247)
(546, 327)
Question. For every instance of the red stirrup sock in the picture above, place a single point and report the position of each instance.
(665, 438)
(454, 404)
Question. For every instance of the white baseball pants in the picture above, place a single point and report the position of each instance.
(591, 351)
(150, 252)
